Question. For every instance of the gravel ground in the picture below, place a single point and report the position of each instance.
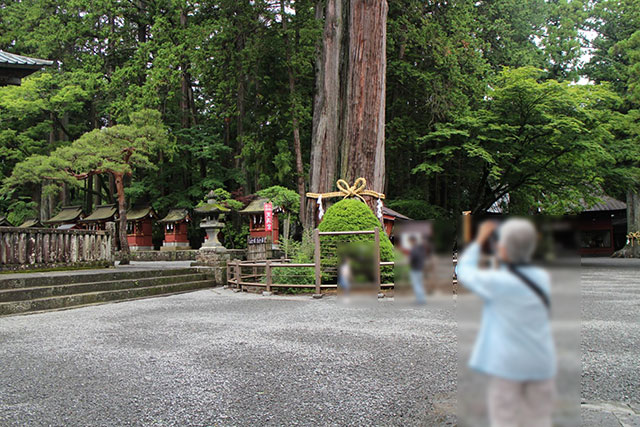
(611, 330)
(215, 357)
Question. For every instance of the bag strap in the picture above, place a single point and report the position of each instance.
(532, 285)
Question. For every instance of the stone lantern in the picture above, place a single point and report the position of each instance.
(212, 253)
(213, 222)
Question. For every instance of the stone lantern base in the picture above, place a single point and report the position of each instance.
(217, 259)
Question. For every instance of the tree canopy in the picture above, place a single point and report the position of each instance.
(482, 102)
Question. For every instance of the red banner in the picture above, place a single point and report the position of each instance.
(268, 216)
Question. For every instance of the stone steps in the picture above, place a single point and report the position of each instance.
(31, 280)
(21, 294)
(71, 290)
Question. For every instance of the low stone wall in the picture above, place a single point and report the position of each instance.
(178, 255)
(40, 248)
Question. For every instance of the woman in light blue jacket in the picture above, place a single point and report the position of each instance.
(514, 345)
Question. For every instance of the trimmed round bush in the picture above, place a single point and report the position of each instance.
(354, 215)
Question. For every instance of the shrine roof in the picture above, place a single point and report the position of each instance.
(4, 222)
(31, 222)
(138, 213)
(395, 214)
(607, 204)
(102, 213)
(257, 206)
(66, 214)
(176, 215)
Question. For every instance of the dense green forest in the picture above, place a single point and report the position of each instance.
(534, 100)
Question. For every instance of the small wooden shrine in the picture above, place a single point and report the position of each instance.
(258, 232)
(100, 216)
(140, 228)
(175, 226)
(68, 217)
(31, 223)
(262, 243)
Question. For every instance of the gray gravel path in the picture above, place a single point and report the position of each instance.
(215, 357)
(611, 342)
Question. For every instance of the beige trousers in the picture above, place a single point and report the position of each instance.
(520, 404)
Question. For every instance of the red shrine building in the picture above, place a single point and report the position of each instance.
(140, 228)
(175, 226)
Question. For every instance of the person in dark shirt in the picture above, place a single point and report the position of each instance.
(417, 256)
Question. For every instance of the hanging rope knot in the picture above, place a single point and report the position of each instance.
(356, 190)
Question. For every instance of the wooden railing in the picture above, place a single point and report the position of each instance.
(30, 248)
(260, 274)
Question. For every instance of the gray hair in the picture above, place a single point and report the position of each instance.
(518, 236)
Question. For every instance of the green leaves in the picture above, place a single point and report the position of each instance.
(539, 139)
(119, 149)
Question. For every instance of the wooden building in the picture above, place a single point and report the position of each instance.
(100, 216)
(13, 68)
(68, 217)
(603, 227)
(140, 228)
(175, 224)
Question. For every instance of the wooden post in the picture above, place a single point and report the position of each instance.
(268, 272)
(466, 227)
(377, 258)
(316, 260)
(228, 275)
(237, 274)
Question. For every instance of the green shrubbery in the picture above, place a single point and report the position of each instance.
(351, 215)
(301, 253)
(346, 215)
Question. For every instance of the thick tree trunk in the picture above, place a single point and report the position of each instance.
(325, 138)
(363, 149)
(125, 254)
(349, 106)
(631, 249)
(297, 146)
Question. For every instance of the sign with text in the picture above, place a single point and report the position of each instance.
(268, 217)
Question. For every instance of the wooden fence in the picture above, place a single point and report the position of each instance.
(31, 248)
(260, 274)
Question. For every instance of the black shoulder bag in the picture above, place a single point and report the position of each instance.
(532, 285)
